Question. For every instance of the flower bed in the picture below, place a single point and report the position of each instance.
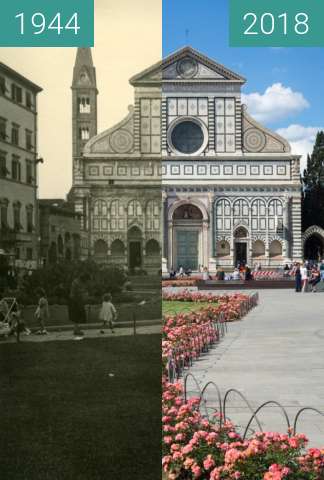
(231, 306)
(196, 448)
(187, 335)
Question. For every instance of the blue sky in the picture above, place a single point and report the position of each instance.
(295, 107)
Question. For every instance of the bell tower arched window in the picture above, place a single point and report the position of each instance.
(84, 104)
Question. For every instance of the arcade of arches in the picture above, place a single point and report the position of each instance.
(226, 233)
(129, 253)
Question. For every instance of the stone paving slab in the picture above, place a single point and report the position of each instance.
(275, 353)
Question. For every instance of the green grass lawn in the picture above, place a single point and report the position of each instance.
(171, 307)
(64, 418)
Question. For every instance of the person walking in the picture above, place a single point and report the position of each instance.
(42, 311)
(315, 278)
(77, 299)
(108, 313)
(298, 278)
(322, 270)
(304, 277)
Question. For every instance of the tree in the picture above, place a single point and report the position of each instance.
(56, 281)
(313, 186)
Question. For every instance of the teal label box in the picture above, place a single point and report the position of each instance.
(276, 23)
(47, 23)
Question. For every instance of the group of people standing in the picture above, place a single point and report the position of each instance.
(12, 319)
(307, 276)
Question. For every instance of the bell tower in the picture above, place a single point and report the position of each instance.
(84, 107)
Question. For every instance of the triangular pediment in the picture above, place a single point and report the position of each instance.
(186, 65)
(118, 140)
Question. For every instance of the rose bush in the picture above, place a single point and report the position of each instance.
(197, 448)
(186, 335)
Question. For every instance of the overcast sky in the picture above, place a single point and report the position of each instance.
(128, 38)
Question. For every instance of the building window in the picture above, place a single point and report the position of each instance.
(17, 253)
(29, 100)
(84, 133)
(15, 134)
(4, 215)
(152, 215)
(134, 208)
(100, 212)
(30, 219)
(15, 168)
(29, 172)
(3, 88)
(16, 93)
(3, 129)
(117, 215)
(16, 216)
(29, 140)
(3, 165)
(84, 105)
(29, 254)
(223, 214)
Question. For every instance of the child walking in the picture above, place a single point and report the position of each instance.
(42, 311)
(108, 313)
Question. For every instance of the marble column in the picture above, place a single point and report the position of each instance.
(211, 243)
(286, 228)
(164, 233)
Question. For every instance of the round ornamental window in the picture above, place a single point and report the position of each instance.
(187, 137)
(187, 68)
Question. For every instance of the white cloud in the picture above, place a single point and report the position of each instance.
(301, 139)
(276, 103)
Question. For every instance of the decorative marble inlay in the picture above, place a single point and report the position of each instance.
(254, 140)
(187, 68)
(121, 141)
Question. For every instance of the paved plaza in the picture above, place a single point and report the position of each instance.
(275, 353)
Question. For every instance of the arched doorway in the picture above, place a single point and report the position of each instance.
(100, 250)
(187, 225)
(313, 241)
(314, 248)
(240, 245)
(134, 248)
(117, 251)
(152, 248)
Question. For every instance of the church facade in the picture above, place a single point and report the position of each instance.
(116, 176)
(230, 188)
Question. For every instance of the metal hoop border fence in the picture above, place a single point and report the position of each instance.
(222, 406)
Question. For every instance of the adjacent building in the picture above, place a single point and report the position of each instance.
(19, 235)
(60, 232)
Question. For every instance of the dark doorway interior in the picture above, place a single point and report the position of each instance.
(135, 255)
(240, 253)
(314, 248)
